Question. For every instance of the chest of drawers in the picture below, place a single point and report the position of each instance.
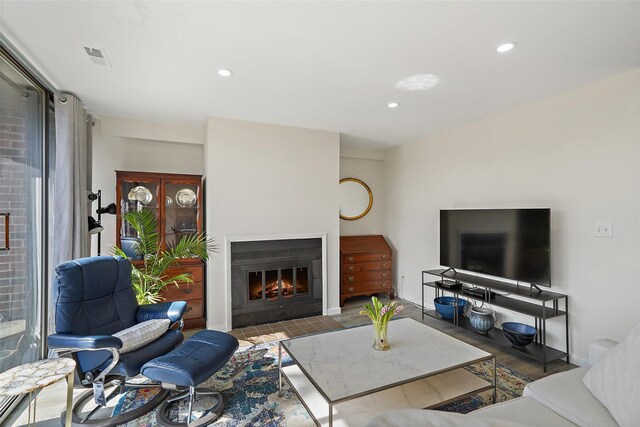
(365, 266)
(192, 293)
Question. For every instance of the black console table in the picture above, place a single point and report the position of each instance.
(544, 305)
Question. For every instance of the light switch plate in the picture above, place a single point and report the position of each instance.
(603, 229)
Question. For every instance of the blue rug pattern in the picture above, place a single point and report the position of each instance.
(249, 383)
(510, 386)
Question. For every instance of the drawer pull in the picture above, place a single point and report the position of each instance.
(189, 308)
(384, 264)
(352, 268)
(384, 274)
(350, 259)
(384, 285)
(384, 257)
(351, 278)
(351, 289)
(188, 290)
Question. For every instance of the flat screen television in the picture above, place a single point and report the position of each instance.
(507, 243)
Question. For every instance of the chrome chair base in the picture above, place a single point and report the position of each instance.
(163, 416)
(80, 418)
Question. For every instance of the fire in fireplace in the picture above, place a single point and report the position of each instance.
(284, 282)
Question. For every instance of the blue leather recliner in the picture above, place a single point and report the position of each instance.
(95, 299)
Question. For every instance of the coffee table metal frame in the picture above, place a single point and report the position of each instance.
(332, 403)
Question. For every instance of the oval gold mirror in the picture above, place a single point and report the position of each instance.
(356, 199)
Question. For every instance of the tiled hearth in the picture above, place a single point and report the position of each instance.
(283, 330)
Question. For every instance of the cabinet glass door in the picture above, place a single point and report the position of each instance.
(181, 211)
(135, 196)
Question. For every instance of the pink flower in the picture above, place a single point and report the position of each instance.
(384, 310)
(398, 309)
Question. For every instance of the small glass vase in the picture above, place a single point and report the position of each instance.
(380, 341)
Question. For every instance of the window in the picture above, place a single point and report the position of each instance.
(24, 112)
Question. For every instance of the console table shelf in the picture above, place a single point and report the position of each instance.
(503, 301)
(496, 285)
(544, 305)
(533, 350)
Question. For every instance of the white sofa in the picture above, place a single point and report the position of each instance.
(558, 400)
(562, 399)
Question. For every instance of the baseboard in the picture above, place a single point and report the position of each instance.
(417, 301)
(221, 327)
(333, 311)
(578, 360)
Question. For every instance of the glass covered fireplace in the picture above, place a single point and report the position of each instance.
(283, 282)
(275, 280)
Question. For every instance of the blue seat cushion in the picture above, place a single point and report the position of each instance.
(193, 362)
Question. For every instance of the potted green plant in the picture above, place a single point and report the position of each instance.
(150, 278)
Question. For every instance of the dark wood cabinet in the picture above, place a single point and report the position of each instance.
(177, 200)
(365, 266)
(192, 293)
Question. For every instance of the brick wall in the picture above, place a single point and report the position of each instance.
(13, 198)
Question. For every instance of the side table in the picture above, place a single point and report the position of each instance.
(31, 377)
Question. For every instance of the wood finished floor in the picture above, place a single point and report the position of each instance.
(350, 317)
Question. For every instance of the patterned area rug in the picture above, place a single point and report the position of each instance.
(249, 383)
(510, 386)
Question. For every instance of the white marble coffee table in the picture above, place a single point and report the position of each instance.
(343, 381)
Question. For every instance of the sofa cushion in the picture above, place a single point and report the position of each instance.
(614, 380)
(523, 410)
(430, 418)
(565, 394)
(141, 334)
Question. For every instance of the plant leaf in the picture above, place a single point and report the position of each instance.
(150, 278)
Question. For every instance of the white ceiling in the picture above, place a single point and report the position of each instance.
(324, 65)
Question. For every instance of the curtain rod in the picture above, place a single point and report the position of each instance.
(15, 53)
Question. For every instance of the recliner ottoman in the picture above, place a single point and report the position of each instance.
(188, 366)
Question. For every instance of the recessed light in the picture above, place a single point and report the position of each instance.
(393, 105)
(506, 47)
(222, 72)
(418, 82)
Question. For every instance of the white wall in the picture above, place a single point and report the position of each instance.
(189, 133)
(111, 153)
(367, 166)
(576, 153)
(265, 179)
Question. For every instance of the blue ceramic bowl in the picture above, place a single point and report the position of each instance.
(519, 334)
(446, 305)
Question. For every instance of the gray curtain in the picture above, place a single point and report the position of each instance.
(72, 181)
(72, 184)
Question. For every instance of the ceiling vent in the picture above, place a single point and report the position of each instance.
(98, 56)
